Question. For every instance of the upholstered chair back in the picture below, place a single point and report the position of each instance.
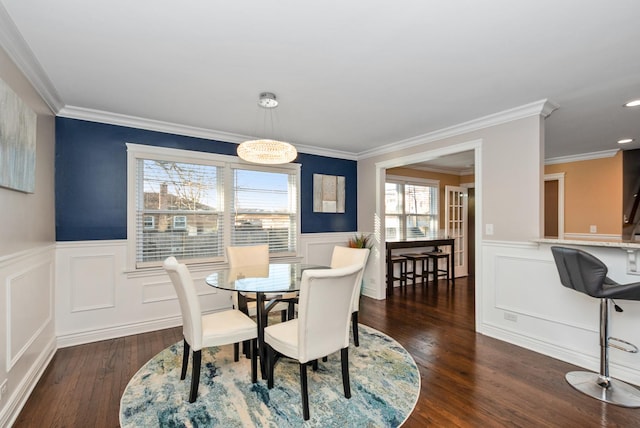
(580, 271)
(324, 310)
(248, 256)
(345, 256)
(189, 303)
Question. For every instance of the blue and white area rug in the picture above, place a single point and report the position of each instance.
(385, 384)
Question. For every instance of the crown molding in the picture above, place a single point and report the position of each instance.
(18, 50)
(582, 157)
(539, 108)
(100, 116)
(444, 170)
(110, 118)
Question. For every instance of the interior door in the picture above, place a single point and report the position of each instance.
(456, 206)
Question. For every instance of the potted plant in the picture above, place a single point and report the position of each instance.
(360, 241)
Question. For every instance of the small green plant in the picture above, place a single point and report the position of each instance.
(360, 241)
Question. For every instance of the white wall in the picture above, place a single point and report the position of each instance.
(513, 274)
(27, 253)
(520, 279)
(97, 299)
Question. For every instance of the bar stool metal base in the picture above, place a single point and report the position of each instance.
(618, 392)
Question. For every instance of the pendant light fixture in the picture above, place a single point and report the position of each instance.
(267, 151)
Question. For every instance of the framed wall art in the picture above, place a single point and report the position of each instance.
(328, 193)
(17, 142)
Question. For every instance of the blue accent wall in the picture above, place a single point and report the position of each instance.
(91, 179)
(328, 222)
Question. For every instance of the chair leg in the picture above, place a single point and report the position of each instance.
(291, 311)
(304, 392)
(270, 365)
(254, 360)
(599, 385)
(195, 375)
(314, 365)
(236, 352)
(185, 359)
(354, 326)
(604, 380)
(344, 357)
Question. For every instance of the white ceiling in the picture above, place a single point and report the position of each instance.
(352, 77)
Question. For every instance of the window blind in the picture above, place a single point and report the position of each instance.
(178, 210)
(263, 209)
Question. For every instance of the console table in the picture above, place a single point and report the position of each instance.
(421, 242)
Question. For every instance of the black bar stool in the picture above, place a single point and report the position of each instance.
(434, 257)
(402, 276)
(585, 273)
(416, 260)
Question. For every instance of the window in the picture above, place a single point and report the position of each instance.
(264, 207)
(149, 222)
(192, 205)
(411, 208)
(180, 222)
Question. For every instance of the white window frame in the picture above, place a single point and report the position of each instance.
(180, 222)
(153, 222)
(140, 151)
(396, 179)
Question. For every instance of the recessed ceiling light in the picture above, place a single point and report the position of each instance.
(625, 140)
(633, 103)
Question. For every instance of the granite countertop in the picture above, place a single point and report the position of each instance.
(591, 243)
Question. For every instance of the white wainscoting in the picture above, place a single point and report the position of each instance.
(97, 299)
(316, 248)
(27, 331)
(523, 302)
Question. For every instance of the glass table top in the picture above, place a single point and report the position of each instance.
(272, 278)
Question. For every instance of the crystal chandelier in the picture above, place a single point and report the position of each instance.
(267, 151)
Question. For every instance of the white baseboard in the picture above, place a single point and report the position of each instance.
(18, 399)
(561, 353)
(80, 338)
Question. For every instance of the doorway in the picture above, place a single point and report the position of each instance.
(456, 208)
(554, 206)
(475, 147)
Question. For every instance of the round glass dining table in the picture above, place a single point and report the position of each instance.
(275, 278)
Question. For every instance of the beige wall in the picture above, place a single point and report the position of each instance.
(28, 219)
(508, 184)
(593, 195)
(509, 178)
(27, 263)
(467, 179)
(593, 192)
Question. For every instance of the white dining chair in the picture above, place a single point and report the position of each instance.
(203, 331)
(255, 255)
(346, 256)
(322, 327)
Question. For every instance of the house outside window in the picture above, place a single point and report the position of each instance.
(192, 205)
(411, 208)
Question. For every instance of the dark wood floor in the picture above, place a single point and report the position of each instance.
(468, 380)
